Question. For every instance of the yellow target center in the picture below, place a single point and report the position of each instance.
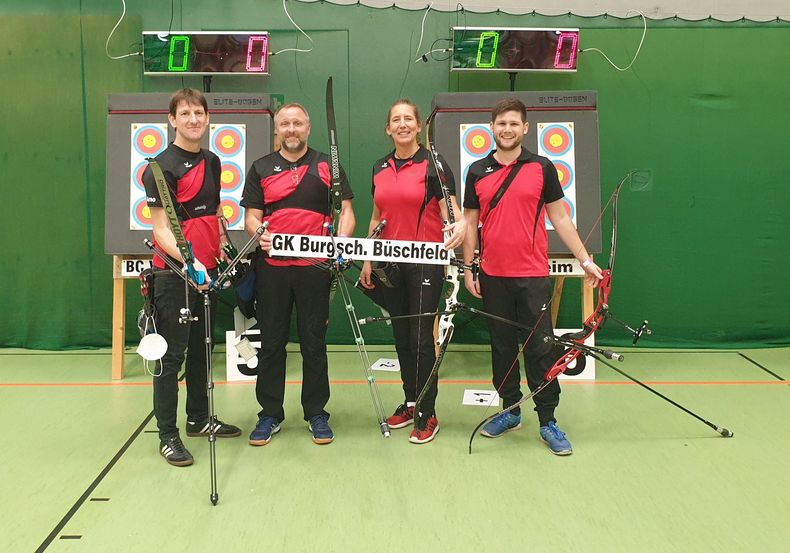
(227, 141)
(555, 140)
(149, 141)
(227, 177)
(146, 212)
(561, 175)
(227, 211)
(478, 141)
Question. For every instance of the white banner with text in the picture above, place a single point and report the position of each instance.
(360, 249)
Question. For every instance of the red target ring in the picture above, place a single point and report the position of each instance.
(556, 140)
(477, 141)
(149, 140)
(227, 141)
(231, 210)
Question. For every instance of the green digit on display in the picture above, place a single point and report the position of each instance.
(181, 54)
(491, 36)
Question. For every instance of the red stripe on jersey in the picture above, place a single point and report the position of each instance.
(279, 185)
(190, 184)
(325, 173)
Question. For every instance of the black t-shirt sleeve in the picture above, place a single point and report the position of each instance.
(216, 171)
(252, 196)
(347, 193)
(471, 201)
(552, 189)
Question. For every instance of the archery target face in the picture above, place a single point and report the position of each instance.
(231, 210)
(230, 176)
(477, 140)
(556, 140)
(564, 173)
(149, 140)
(142, 214)
(227, 141)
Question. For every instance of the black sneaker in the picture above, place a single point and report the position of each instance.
(221, 430)
(174, 452)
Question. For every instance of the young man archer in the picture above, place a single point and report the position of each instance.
(514, 277)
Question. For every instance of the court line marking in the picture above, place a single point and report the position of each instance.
(753, 362)
(92, 486)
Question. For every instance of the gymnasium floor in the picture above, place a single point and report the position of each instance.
(81, 471)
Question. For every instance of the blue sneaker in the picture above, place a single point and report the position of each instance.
(266, 427)
(501, 424)
(319, 426)
(555, 438)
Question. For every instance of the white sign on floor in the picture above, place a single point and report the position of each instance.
(482, 398)
(390, 365)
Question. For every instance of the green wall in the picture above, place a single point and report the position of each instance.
(702, 245)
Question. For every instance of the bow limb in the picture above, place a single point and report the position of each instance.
(445, 326)
(338, 263)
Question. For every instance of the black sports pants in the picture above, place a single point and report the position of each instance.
(277, 289)
(169, 299)
(524, 300)
(419, 291)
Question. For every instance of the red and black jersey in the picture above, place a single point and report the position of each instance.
(407, 194)
(513, 239)
(193, 181)
(294, 196)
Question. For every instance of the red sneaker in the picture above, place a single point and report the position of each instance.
(402, 417)
(425, 430)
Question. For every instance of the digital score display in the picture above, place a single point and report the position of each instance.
(514, 49)
(205, 53)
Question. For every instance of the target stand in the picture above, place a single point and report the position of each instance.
(240, 131)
